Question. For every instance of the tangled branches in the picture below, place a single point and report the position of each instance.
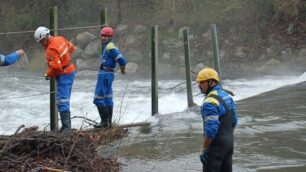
(34, 151)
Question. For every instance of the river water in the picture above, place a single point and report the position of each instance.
(270, 135)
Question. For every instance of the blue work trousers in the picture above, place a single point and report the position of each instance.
(64, 87)
(104, 92)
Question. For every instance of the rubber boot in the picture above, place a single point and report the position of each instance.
(104, 115)
(66, 122)
(110, 110)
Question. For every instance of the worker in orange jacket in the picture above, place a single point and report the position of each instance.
(58, 52)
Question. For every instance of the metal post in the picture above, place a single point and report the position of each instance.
(215, 47)
(104, 17)
(53, 107)
(154, 53)
(103, 20)
(188, 70)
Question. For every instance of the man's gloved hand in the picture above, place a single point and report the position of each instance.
(122, 69)
(204, 157)
(46, 77)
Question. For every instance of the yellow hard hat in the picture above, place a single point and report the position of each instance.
(206, 74)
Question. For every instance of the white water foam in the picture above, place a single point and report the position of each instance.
(25, 100)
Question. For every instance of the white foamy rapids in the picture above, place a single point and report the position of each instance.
(25, 100)
(244, 88)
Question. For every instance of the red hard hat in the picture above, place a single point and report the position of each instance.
(107, 31)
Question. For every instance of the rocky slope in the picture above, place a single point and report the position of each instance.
(264, 37)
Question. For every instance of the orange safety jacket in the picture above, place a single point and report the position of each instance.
(58, 52)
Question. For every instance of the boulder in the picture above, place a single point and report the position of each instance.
(262, 57)
(302, 53)
(269, 51)
(198, 67)
(206, 37)
(240, 52)
(209, 53)
(130, 39)
(84, 38)
(166, 56)
(131, 68)
(134, 55)
(173, 43)
(77, 53)
(88, 64)
(140, 28)
(302, 56)
(121, 28)
(168, 70)
(221, 54)
(92, 49)
(181, 32)
(290, 28)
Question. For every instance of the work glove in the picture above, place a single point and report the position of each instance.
(204, 157)
(122, 69)
(46, 77)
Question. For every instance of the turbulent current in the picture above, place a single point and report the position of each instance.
(270, 135)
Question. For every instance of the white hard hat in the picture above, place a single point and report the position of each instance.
(41, 32)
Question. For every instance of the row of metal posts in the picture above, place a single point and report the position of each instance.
(154, 65)
(154, 52)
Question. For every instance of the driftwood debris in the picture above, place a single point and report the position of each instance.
(92, 122)
(36, 151)
(138, 124)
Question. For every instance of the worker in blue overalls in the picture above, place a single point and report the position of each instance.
(219, 121)
(103, 98)
(11, 58)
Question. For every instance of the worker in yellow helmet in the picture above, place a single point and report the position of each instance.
(219, 120)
